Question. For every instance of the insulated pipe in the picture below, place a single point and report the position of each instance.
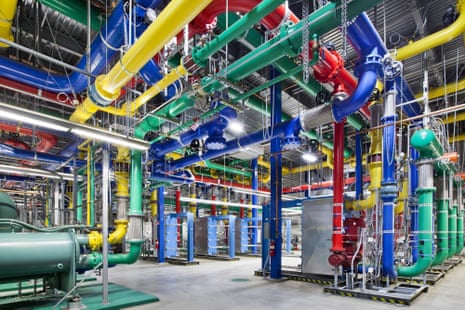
(47, 141)
(94, 259)
(452, 231)
(7, 14)
(168, 23)
(438, 38)
(460, 236)
(290, 39)
(263, 8)
(389, 184)
(442, 224)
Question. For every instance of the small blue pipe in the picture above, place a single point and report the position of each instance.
(413, 203)
(358, 167)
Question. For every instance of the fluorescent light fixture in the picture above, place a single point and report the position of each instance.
(235, 126)
(54, 123)
(310, 157)
(34, 172)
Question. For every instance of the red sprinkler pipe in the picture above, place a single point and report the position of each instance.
(213, 207)
(207, 180)
(47, 141)
(330, 69)
(241, 210)
(178, 211)
(60, 98)
(338, 256)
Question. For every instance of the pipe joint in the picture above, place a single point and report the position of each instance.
(99, 95)
(392, 68)
(388, 191)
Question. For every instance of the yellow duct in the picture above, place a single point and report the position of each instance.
(153, 203)
(375, 170)
(85, 111)
(457, 138)
(7, 14)
(436, 39)
(167, 25)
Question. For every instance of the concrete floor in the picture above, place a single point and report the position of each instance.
(232, 285)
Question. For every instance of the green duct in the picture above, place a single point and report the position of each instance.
(94, 259)
(227, 169)
(200, 55)
(452, 231)
(289, 40)
(76, 10)
(442, 231)
(460, 240)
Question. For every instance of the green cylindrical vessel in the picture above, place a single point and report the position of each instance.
(426, 142)
(459, 232)
(34, 254)
(442, 233)
(8, 210)
(452, 231)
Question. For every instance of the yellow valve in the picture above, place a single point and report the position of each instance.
(95, 240)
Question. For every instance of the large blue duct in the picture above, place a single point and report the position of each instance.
(104, 47)
(365, 38)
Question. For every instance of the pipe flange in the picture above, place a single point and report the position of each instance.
(290, 143)
(99, 96)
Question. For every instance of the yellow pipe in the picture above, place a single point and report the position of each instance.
(153, 203)
(329, 157)
(436, 39)
(457, 138)
(403, 196)
(7, 15)
(85, 111)
(308, 167)
(166, 26)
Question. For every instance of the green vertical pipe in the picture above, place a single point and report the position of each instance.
(425, 228)
(235, 30)
(442, 231)
(452, 231)
(76, 10)
(289, 41)
(135, 199)
(79, 205)
(459, 232)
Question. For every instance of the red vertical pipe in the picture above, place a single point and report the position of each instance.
(241, 210)
(178, 210)
(213, 208)
(338, 181)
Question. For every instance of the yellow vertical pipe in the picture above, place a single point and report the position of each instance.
(193, 205)
(438, 38)
(167, 25)
(224, 208)
(154, 203)
(7, 15)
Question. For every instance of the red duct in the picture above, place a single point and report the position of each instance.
(47, 141)
(338, 256)
(17, 144)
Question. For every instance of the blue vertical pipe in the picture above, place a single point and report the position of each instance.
(190, 237)
(161, 223)
(265, 237)
(388, 183)
(276, 180)
(413, 203)
(358, 167)
(254, 230)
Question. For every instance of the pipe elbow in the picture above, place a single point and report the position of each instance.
(118, 234)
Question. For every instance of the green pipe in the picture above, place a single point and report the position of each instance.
(425, 235)
(79, 205)
(289, 40)
(425, 141)
(200, 55)
(76, 10)
(171, 110)
(459, 232)
(452, 231)
(442, 231)
(227, 169)
(135, 181)
(94, 259)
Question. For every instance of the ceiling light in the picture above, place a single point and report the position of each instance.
(54, 123)
(310, 157)
(235, 126)
(34, 172)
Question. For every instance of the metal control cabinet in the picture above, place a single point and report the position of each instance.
(316, 235)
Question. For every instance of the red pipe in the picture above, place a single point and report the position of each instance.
(178, 211)
(338, 257)
(207, 180)
(330, 69)
(241, 210)
(47, 141)
(320, 185)
(213, 207)
(17, 144)
(60, 98)
(207, 18)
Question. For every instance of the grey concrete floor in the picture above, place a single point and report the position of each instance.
(232, 285)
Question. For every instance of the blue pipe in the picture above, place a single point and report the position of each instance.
(254, 232)
(161, 223)
(7, 150)
(358, 167)
(231, 146)
(389, 184)
(158, 150)
(365, 38)
(113, 34)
